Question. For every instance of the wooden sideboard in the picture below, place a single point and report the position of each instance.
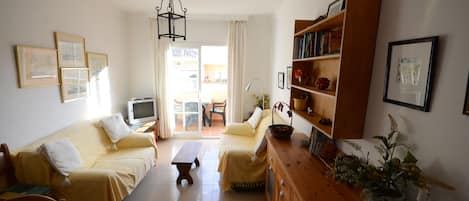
(293, 174)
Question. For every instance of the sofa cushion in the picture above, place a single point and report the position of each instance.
(62, 155)
(255, 117)
(131, 164)
(115, 127)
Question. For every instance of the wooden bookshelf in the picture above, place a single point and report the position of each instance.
(328, 23)
(315, 90)
(314, 119)
(349, 71)
(325, 57)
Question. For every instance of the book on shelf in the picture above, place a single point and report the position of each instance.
(313, 44)
(319, 142)
(335, 41)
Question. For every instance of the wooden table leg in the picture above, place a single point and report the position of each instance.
(197, 163)
(184, 173)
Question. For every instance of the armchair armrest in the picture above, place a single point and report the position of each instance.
(242, 129)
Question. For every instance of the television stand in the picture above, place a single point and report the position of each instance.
(151, 126)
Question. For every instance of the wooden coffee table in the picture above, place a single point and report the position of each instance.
(184, 159)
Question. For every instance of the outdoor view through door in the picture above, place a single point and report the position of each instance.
(198, 90)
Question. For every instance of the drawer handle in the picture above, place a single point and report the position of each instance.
(282, 182)
(282, 194)
(270, 167)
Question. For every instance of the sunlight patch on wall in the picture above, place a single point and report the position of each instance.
(99, 100)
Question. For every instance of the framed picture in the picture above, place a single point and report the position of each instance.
(335, 7)
(71, 50)
(37, 67)
(281, 80)
(409, 72)
(74, 83)
(466, 100)
(97, 62)
(289, 77)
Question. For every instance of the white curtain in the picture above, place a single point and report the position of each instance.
(236, 64)
(161, 56)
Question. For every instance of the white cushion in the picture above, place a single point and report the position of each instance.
(115, 127)
(255, 117)
(243, 129)
(62, 155)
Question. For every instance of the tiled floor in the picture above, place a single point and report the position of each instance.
(160, 182)
(213, 131)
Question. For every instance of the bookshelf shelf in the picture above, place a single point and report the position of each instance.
(314, 119)
(325, 57)
(328, 23)
(315, 90)
(352, 33)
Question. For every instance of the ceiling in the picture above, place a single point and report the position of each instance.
(204, 7)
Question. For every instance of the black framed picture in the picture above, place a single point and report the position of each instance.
(335, 7)
(281, 80)
(409, 72)
(289, 76)
(466, 100)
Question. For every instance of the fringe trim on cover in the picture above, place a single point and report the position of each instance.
(248, 187)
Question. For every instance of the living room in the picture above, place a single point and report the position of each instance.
(434, 126)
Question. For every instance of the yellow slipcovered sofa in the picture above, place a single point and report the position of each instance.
(107, 174)
(240, 168)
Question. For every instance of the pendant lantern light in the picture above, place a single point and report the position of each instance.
(172, 18)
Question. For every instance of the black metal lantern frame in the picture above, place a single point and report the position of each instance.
(171, 16)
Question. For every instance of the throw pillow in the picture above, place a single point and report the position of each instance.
(115, 127)
(62, 156)
(243, 129)
(255, 117)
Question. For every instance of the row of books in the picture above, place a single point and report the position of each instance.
(318, 142)
(315, 44)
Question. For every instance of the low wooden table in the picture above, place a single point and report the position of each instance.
(184, 159)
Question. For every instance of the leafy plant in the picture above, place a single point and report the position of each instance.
(390, 179)
(259, 101)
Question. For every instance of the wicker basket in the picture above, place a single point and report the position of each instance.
(281, 131)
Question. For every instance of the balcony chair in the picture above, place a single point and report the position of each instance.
(218, 108)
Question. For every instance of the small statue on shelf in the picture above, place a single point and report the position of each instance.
(322, 83)
(310, 111)
(325, 121)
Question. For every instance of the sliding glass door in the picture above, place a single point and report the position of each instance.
(184, 84)
(197, 83)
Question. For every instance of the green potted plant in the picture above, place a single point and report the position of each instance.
(259, 101)
(389, 180)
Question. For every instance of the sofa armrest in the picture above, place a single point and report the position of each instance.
(31, 167)
(137, 140)
(242, 129)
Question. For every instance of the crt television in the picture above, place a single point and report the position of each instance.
(141, 110)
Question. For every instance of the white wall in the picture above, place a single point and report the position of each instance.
(440, 136)
(29, 114)
(258, 58)
(141, 56)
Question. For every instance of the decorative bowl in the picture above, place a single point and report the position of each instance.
(281, 131)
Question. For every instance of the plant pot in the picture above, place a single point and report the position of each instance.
(299, 104)
(369, 196)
